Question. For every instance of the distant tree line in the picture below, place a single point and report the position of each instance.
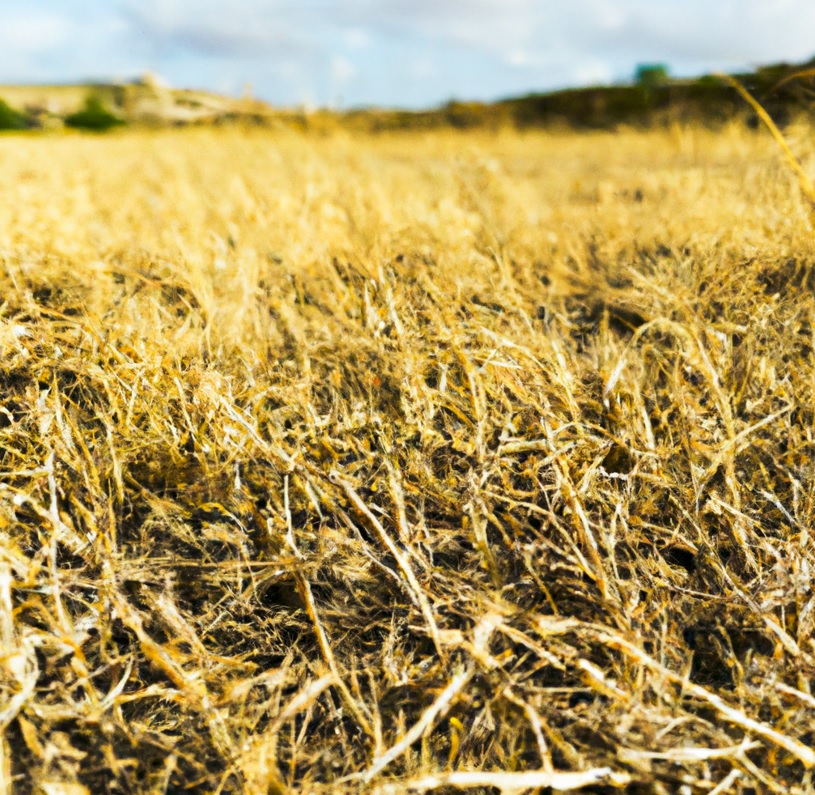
(653, 98)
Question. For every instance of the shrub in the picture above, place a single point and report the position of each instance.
(93, 116)
(11, 119)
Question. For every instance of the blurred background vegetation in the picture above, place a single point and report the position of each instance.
(652, 99)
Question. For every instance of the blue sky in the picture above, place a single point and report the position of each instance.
(411, 53)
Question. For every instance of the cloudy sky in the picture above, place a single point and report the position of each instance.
(393, 52)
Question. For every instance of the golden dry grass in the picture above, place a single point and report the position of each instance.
(406, 463)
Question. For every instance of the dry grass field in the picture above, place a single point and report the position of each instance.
(406, 464)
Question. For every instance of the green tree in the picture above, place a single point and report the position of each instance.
(649, 75)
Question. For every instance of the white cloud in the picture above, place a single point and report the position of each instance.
(238, 29)
(520, 58)
(393, 51)
(36, 33)
(592, 73)
(356, 38)
(31, 33)
(527, 31)
(342, 70)
(422, 68)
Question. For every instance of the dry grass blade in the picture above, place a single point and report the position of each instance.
(328, 655)
(726, 783)
(523, 782)
(404, 563)
(691, 754)
(793, 746)
(800, 74)
(807, 186)
(304, 698)
(441, 704)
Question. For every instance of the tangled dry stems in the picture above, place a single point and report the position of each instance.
(406, 464)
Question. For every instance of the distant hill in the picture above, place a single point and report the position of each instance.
(707, 100)
(150, 101)
(147, 100)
